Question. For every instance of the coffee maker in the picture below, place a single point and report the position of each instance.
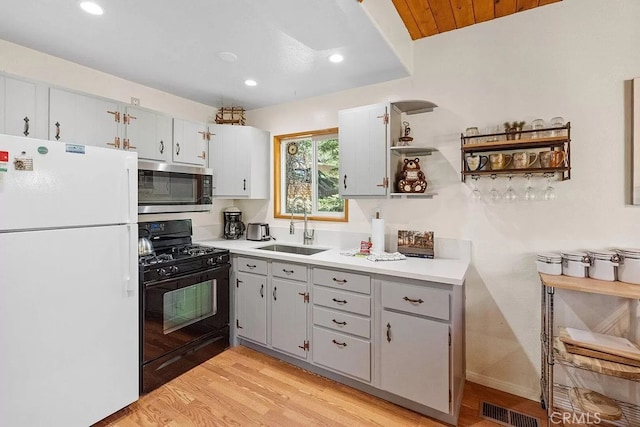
(233, 225)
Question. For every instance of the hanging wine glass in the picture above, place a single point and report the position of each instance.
(510, 195)
(475, 194)
(529, 191)
(494, 194)
(549, 192)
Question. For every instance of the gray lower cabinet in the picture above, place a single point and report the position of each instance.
(399, 339)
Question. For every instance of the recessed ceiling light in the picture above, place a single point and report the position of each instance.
(91, 7)
(335, 58)
(228, 56)
(250, 82)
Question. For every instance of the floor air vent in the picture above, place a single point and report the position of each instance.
(507, 417)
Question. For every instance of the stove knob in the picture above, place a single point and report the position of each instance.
(220, 259)
(211, 261)
(162, 272)
(174, 269)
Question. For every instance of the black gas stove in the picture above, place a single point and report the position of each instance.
(174, 253)
(184, 303)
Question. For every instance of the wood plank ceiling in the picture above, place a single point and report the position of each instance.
(425, 18)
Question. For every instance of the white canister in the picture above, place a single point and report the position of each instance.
(575, 264)
(629, 265)
(549, 263)
(603, 265)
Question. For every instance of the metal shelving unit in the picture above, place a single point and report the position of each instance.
(555, 397)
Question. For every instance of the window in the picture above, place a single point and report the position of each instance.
(306, 176)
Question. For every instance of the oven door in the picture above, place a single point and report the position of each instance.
(183, 311)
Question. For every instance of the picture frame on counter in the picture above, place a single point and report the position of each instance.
(413, 243)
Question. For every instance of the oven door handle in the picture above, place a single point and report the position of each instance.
(160, 283)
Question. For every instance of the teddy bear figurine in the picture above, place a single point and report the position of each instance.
(411, 179)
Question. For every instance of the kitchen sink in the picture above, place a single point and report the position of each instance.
(300, 250)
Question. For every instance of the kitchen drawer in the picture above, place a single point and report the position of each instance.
(342, 353)
(338, 279)
(343, 322)
(252, 265)
(353, 303)
(419, 300)
(289, 271)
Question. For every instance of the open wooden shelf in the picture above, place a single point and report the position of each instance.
(594, 286)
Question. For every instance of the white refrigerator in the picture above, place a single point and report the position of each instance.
(68, 282)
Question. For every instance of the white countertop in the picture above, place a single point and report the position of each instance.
(450, 271)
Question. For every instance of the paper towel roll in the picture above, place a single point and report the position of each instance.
(377, 235)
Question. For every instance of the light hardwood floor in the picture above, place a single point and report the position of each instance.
(242, 387)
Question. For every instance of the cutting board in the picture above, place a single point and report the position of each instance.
(601, 342)
(597, 365)
(591, 402)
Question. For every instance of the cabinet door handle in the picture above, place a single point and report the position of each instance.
(127, 145)
(244, 185)
(126, 118)
(238, 281)
(262, 291)
(275, 290)
(388, 332)
(238, 324)
(339, 301)
(339, 323)
(344, 181)
(116, 116)
(415, 301)
(287, 271)
(115, 143)
(203, 155)
(26, 126)
(204, 134)
(341, 344)
(385, 183)
(341, 281)
(161, 147)
(177, 148)
(57, 131)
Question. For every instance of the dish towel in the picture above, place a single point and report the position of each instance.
(376, 256)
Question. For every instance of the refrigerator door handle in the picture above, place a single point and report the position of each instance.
(132, 261)
(132, 189)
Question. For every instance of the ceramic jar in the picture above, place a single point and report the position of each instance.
(603, 265)
(575, 264)
(549, 263)
(629, 265)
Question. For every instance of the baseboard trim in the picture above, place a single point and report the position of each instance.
(505, 386)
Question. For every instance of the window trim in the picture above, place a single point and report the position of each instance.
(277, 169)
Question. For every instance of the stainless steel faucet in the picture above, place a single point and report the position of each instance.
(307, 234)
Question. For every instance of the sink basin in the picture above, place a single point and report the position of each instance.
(300, 250)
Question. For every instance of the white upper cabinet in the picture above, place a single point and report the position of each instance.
(239, 157)
(84, 119)
(189, 142)
(363, 151)
(366, 137)
(17, 107)
(149, 133)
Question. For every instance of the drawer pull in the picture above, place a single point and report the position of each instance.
(339, 323)
(287, 271)
(339, 301)
(388, 332)
(341, 344)
(341, 281)
(418, 301)
(251, 266)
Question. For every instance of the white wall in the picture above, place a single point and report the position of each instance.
(35, 65)
(567, 59)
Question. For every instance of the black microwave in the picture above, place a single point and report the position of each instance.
(166, 187)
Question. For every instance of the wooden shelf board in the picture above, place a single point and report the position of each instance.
(517, 171)
(515, 144)
(583, 284)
